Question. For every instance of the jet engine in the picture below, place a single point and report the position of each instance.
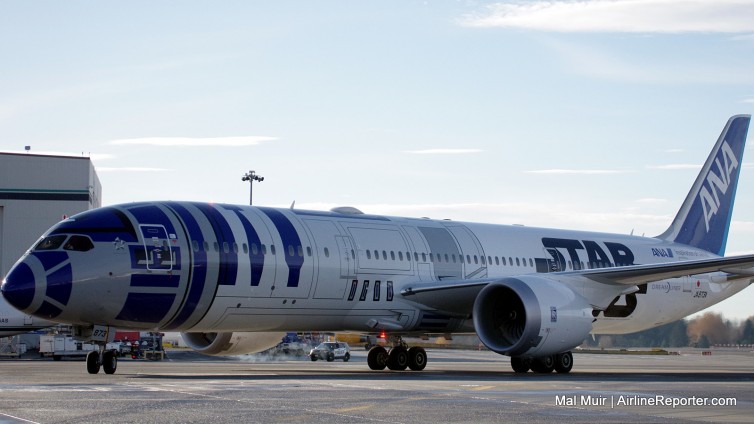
(228, 344)
(531, 316)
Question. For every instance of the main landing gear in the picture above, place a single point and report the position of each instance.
(561, 362)
(398, 358)
(107, 359)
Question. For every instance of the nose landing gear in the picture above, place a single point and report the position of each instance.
(107, 359)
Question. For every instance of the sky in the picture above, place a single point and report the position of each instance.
(588, 115)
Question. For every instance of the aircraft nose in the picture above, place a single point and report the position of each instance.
(18, 286)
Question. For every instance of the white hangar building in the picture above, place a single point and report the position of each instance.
(37, 191)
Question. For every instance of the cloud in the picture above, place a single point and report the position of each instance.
(675, 166)
(620, 16)
(130, 169)
(443, 151)
(651, 200)
(748, 100)
(577, 171)
(195, 142)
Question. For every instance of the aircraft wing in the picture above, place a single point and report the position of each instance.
(458, 296)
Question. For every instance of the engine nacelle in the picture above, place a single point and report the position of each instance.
(531, 316)
(228, 344)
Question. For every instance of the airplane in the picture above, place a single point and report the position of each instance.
(13, 322)
(233, 279)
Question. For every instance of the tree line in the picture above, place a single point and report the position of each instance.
(703, 331)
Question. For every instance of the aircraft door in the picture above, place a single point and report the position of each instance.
(474, 263)
(347, 257)
(157, 247)
(330, 253)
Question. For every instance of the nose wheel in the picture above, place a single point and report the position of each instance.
(107, 359)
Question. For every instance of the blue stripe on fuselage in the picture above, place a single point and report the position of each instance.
(198, 267)
(223, 234)
(290, 238)
(257, 260)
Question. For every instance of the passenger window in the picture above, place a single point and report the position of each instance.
(517, 262)
(245, 248)
(384, 255)
(483, 261)
(476, 260)
(424, 257)
(206, 246)
(291, 253)
(235, 247)
(416, 257)
(327, 252)
(454, 257)
(392, 255)
(531, 262)
(300, 251)
(446, 258)
(79, 244)
(431, 257)
(400, 256)
(264, 249)
(369, 254)
(353, 255)
(254, 249)
(377, 255)
(195, 245)
(497, 260)
(468, 259)
(272, 249)
(216, 246)
(309, 251)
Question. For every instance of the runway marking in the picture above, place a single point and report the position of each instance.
(355, 408)
(19, 419)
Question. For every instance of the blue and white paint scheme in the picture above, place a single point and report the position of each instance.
(234, 278)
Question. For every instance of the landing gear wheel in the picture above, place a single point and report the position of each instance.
(564, 362)
(377, 358)
(520, 365)
(398, 358)
(109, 362)
(417, 358)
(92, 362)
(346, 357)
(543, 365)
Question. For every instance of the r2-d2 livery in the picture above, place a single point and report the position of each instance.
(235, 279)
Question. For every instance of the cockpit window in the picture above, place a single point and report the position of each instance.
(79, 244)
(50, 242)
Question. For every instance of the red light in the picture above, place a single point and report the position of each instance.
(383, 334)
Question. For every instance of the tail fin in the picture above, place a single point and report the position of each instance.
(704, 218)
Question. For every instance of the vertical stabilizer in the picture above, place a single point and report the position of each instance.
(704, 218)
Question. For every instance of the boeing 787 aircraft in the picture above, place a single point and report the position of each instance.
(234, 279)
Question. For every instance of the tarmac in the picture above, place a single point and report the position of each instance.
(461, 386)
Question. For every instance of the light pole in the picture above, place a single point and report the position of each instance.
(251, 176)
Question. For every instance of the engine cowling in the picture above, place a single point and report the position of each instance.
(228, 344)
(531, 316)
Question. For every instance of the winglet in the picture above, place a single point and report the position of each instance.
(704, 218)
